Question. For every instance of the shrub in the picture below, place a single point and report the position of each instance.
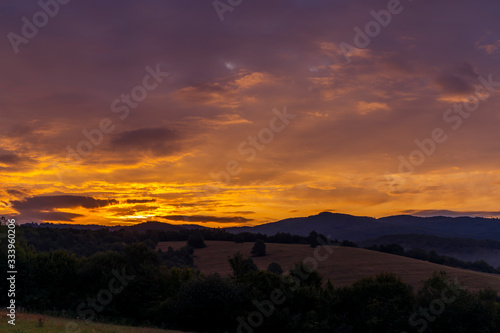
(275, 268)
(259, 248)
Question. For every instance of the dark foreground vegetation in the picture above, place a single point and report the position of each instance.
(126, 281)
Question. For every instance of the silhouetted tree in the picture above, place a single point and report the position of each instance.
(313, 239)
(241, 266)
(259, 248)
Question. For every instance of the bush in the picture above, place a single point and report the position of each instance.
(241, 266)
(275, 268)
(259, 248)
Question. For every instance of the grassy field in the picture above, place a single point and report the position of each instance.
(29, 323)
(344, 266)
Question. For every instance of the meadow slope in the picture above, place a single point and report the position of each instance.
(344, 266)
(30, 322)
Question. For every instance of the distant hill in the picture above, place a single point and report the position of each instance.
(153, 225)
(465, 249)
(66, 226)
(359, 228)
(343, 226)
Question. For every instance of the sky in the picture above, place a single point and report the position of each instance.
(231, 113)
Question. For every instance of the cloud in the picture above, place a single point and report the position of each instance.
(17, 192)
(206, 219)
(15, 161)
(211, 94)
(443, 212)
(357, 195)
(254, 79)
(121, 211)
(459, 80)
(52, 216)
(45, 208)
(133, 201)
(9, 158)
(62, 201)
(242, 212)
(160, 141)
(453, 84)
(490, 48)
(226, 78)
(366, 107)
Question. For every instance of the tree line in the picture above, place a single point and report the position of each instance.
(87, 242)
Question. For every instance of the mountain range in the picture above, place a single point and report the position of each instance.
(359, 228)
(343, 226)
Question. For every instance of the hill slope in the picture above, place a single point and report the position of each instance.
(28, 322)
(344, 266)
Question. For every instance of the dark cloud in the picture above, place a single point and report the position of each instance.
(17, 192)
(52, 216)
(467, 70)
(15, 161)
(160, 141)
(44, 208)
(459, 80)
(61, 201)
(453, 84)
(451, 213)
(9, 158)
(206, 218)
(132, 201)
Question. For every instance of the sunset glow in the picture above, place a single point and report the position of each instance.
(251, 119)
